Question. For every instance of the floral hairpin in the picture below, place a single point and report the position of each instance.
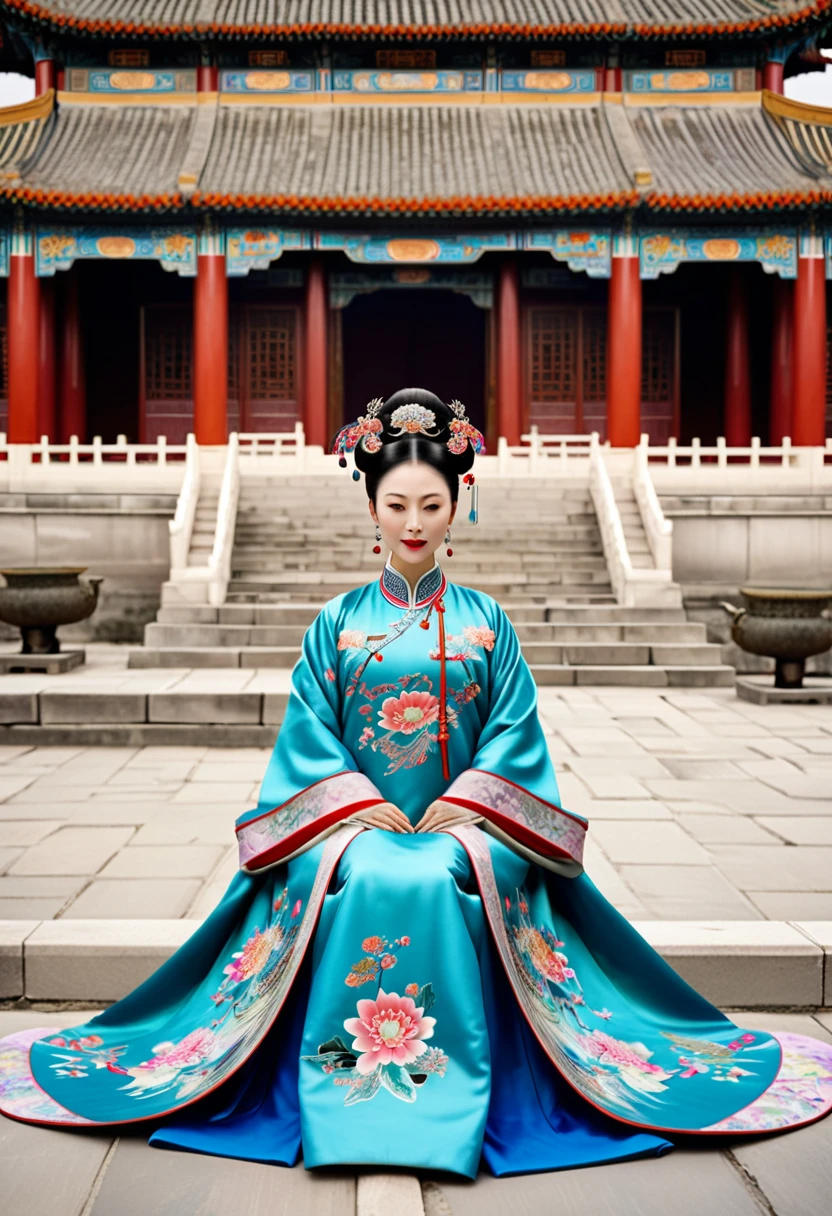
(410, 419)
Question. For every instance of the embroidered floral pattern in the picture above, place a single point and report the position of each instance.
(414, 708)
(620, 1074)
(378, 958)
(389, 1048)
(261, 833)
(254, 984)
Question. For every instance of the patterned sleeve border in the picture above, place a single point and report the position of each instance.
(275, 834)
(532, 821)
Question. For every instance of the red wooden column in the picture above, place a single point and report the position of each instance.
(46, 362)
(624, 345)
(23, 336)
(71, 380)
(773, 74)
(509, 354)
(809, 344)
(211, 341)
(737, 392)
(780, 401)
(44, 75)
(315, 356)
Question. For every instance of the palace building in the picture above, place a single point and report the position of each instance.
(240, 214)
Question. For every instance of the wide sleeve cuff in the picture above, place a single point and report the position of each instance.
(542, 827)
(288, 829)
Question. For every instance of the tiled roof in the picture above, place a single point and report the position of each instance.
(424, 18)
(723, 157)
(411, 160)
(405, 159)
(21, 130)
(125, 157)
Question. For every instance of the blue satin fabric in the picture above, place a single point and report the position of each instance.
(327, 719)
(500, 1102)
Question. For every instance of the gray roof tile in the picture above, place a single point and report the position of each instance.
(167, 15)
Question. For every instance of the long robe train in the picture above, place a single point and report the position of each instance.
(463, 986)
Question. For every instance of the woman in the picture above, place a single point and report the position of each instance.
(411, 967)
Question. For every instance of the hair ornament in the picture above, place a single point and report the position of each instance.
(366, 430)
(412, 419)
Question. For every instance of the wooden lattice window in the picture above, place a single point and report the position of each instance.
(269, 390)
(687, 58)
(166, 375)
(417, 57)
(554, 343)
(548, 59)
(168, 355)
(567, 370)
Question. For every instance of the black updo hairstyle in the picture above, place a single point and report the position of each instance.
(430, 450)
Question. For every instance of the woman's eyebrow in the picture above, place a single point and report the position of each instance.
(395, 494)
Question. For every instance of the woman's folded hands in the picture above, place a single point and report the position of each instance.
(439, 815)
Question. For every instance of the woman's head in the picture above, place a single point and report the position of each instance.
(412, 480)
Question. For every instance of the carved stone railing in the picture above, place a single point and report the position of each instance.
(182, 525)
(632, 586)
(658, 529)
(219, 564)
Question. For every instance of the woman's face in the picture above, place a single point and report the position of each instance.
(413, 504)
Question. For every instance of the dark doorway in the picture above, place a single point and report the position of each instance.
(427, 338)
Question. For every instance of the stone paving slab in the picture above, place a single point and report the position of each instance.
(701, 807)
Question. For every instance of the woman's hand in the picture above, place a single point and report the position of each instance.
(441, 815)
(384, 815)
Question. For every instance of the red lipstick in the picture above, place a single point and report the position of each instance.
(414, 544)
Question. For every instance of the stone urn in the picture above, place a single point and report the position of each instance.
(787, 626)
(40, 599)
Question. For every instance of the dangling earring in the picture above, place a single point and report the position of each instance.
(377, 546)
(448, 541)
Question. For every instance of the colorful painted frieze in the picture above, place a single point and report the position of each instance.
(130, 80)
(373, 80)
(775, 250)
(256, 248)
(588, 250)
(288, 80)
(56, 248)
(468, 247)
(692, 80)
(5, 242)
(560, 80)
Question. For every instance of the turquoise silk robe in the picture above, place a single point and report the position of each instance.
(444, 1000)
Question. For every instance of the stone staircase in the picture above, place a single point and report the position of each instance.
(537, 549)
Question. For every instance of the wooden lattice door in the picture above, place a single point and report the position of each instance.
(660, 354)
(269, 388)
(166, 406)
(567, 370)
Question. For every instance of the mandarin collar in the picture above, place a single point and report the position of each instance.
(396, 588)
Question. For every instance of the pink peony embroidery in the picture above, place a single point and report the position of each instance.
(351, 639)
(409, 712)
(389, 1030)
(193, 1049)
(479, 635)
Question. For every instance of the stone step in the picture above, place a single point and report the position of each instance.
(762, 964)
(577, 616)
(574, 596)
(496, 583)
(717, 676)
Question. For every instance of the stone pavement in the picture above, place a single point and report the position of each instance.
(51, 1172)
(701, 807)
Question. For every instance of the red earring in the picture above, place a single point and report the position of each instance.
(377, 546)
(448, 541)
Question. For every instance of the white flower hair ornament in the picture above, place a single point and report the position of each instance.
(411, 419)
